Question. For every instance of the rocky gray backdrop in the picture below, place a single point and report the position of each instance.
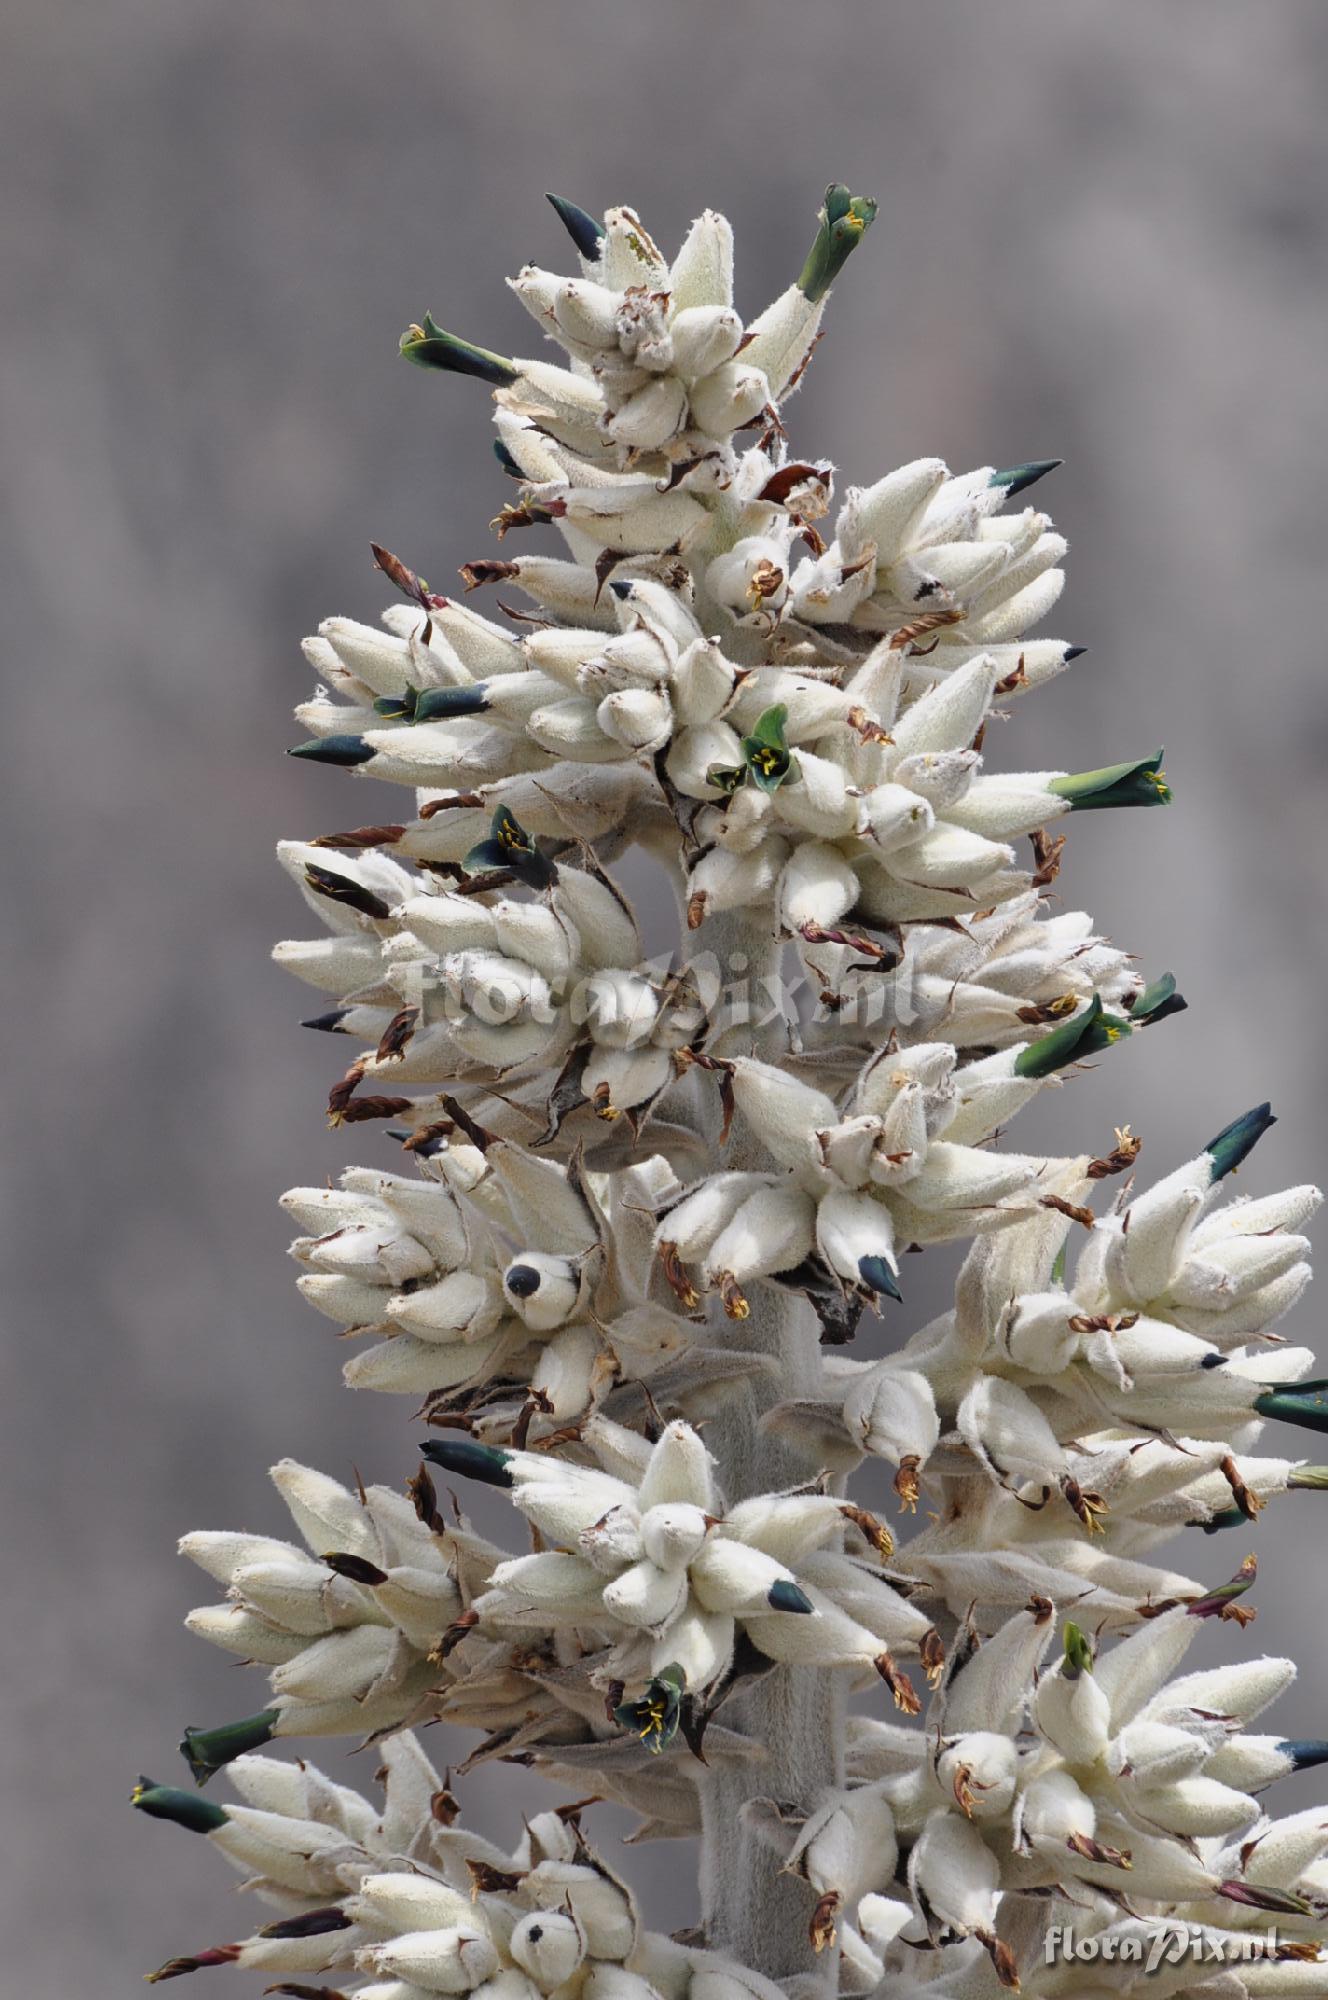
(1101, 237)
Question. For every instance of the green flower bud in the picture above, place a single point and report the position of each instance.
(437, 704)
(1230, 1517)
(1236, 1141)
(345, 750)
(468, 1457)
(207, 1750)
(845, 219)
(431, 346)
(1306, 1404)
(1084, 1034)
(1157, 1001)
(1078, 1658)
(1142, 783)
(183, 1808)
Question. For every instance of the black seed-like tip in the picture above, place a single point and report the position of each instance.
(1214, 1360)
(788, 1596)
(621, 586)
(468, 1457)
(522, 1281)
(583, 229)
(327, 1024)
(506, 460)
(344, 750)
(1075, 653)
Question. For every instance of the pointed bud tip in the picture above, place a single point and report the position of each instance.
(784, 1595)
(343, 750)
(1304, 1752)
(1078, 1656)
(876, 1274)
(1158, 1001)
(585, 232)
(470, 1459)
(845, 219)
(1141, 782)
(1304, 1404)
(439, 704)
(327, 1024)
(1018, 478)
(1236, 1141)
(1227, 1517)
(206, 1751)
(1084, 1034)
(429, 345)
(182, 1808)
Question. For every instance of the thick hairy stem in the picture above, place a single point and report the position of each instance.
(752, 1908)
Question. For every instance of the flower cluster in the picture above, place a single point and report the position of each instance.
(646, 1206)
(657, 1565)
(406, 1894)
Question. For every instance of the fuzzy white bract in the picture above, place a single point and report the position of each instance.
(642, 1208)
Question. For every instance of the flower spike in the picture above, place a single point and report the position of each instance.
(641, 1207)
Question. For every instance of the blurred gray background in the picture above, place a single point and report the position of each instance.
(1102, 237)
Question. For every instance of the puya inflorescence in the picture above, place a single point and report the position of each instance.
(642, 1206)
